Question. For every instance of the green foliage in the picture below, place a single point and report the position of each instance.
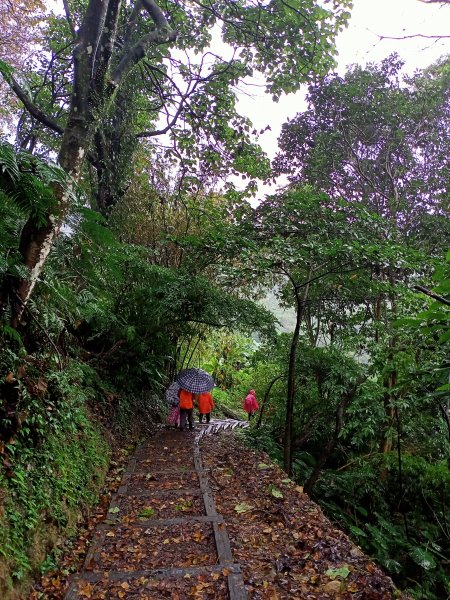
(26, 181)
(262, 439)
(433, 322)
(53, 467)
(403, 122)
(411, 544)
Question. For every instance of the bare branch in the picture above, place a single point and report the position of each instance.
(69, 19)
(162, 34)
(413, 35)
(34, 111)
(431, 294)
(147, 134)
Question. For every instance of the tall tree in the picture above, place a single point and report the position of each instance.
(312, 247)
(111, 39)
(378, 139)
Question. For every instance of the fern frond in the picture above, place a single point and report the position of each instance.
(8, 162)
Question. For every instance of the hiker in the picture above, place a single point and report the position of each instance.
(205, 405)
(186, 408)
(251, 404)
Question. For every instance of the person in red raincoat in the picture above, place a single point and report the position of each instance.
(251, 404)
(205, 405)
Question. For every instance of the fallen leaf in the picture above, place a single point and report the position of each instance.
(332, 587)
(198, 536)
(243, 507)
(342, 572)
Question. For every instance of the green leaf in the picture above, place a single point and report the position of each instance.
(276, 493)
(443, 388)
(423, 558)
(147, 513)
(342, 572)
(114, 510)
(357, 531)
(243, 507)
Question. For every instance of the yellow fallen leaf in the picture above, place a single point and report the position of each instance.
(197, 536)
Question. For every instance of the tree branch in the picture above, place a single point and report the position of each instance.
(69, 19)
(414, 35)
(428, 292)
(106, 44)
(301, 285)
(162, 34)
(156, 14)
(34, 111)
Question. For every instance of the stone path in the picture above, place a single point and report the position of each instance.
(163, 537)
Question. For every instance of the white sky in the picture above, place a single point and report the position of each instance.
(359, 44)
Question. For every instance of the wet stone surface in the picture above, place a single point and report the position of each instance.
(201, 587)
(125, 548)
(145, 481)
(142, 508)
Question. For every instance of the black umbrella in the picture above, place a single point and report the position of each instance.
(195, 380)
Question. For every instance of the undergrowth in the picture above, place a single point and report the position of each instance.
(405, 530)
(52, 468)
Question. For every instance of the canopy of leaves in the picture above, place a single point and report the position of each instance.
(374, 137)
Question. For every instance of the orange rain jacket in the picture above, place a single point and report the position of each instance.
(186, 399)
(205, 403)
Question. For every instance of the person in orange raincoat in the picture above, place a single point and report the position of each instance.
(186, 408)
(205, 404)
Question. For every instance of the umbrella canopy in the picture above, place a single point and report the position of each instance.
(172, 394)
(195, 380)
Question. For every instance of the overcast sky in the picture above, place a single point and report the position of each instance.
(361, 43)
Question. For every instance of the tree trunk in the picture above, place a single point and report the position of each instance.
(265, 398)
(289, 421)
(36, 241)
(332, 443)
(94, 85)
(390, 382)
